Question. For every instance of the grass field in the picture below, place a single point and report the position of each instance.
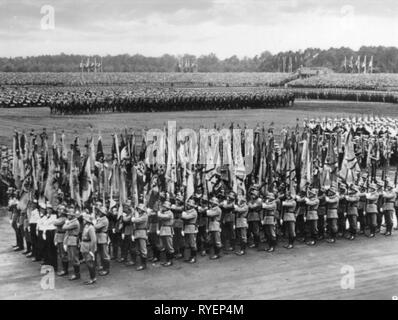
(37, 118)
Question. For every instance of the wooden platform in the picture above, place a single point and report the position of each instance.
(302, 273)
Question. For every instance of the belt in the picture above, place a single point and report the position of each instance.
(101, 232)
(60, 232)
(86, 240)
(141, 229)
(190, 224)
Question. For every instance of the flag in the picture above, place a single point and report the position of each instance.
(86, 181)
(358, 64)
(371, 65)
(364, 65)
(350, 167)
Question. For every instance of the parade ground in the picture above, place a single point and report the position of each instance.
(361, 269)
(319, 272)
(109, 123)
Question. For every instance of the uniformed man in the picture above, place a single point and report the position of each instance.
(342, 211)
(140, 221)
(301, 209)
(389, 197)
(371, 208)
(214, 214)
(289, 219)
(362, 209)
(166, 220)
(312, 203)
(88, 246)
(228, 221)
(254, 217)
(39, 232)
(115, 228)
(71, 241)
(33, 219)
(59, 239)
(352, 199)
(101, 229)
(127, 235)
(241, 210)
(332, 203)
(190, 217)
(268, 221)
(203, 225)
(50, 251)
(321, 214)
(178, 239)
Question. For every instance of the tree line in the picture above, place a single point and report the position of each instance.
(385, 60)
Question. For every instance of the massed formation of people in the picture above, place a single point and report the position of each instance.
(62, 221)
(166, 226)
(82, 100)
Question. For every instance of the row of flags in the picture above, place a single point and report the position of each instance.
(47, 168)
(91, 66)
(358, 66)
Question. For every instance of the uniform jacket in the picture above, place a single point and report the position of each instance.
(166, 220)
(177, 211)
(153, 223)
(371, 206)
(241, 212)
(301, 206)
(352, 204)
(362, 201)
(101, 229)
(128, 227)
(227, 211)
(72, 228)
(255, 208)
(269, 212)
(322, 205)
(140, 226)
(214, 215)
(312, 208)
(332, 205)
(389, 200)
(59, 234)
(190, 217)
(289, 209)
(89, 239)
(202, 217)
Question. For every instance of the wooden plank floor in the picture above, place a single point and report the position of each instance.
(302, 273)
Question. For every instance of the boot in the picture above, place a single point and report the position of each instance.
(64, 271)
(180, 254)
(187, 259)
(290, 244)
(372, 232)
(169, 260)
(76, 274)
(193, 256)
(388, 231)
(91, 271)
(271, 247)
(242, 250)
(156, 255)
(143, 264)
(105, 270)
(216, 254)
(332, 238)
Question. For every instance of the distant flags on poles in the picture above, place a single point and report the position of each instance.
(92, 66)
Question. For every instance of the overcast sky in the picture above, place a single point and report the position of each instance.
(225, 27)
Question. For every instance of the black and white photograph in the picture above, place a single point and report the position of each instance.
(198, 153)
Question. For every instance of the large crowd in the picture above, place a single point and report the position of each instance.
(328, 180)
(120, 99)
(353, 81)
